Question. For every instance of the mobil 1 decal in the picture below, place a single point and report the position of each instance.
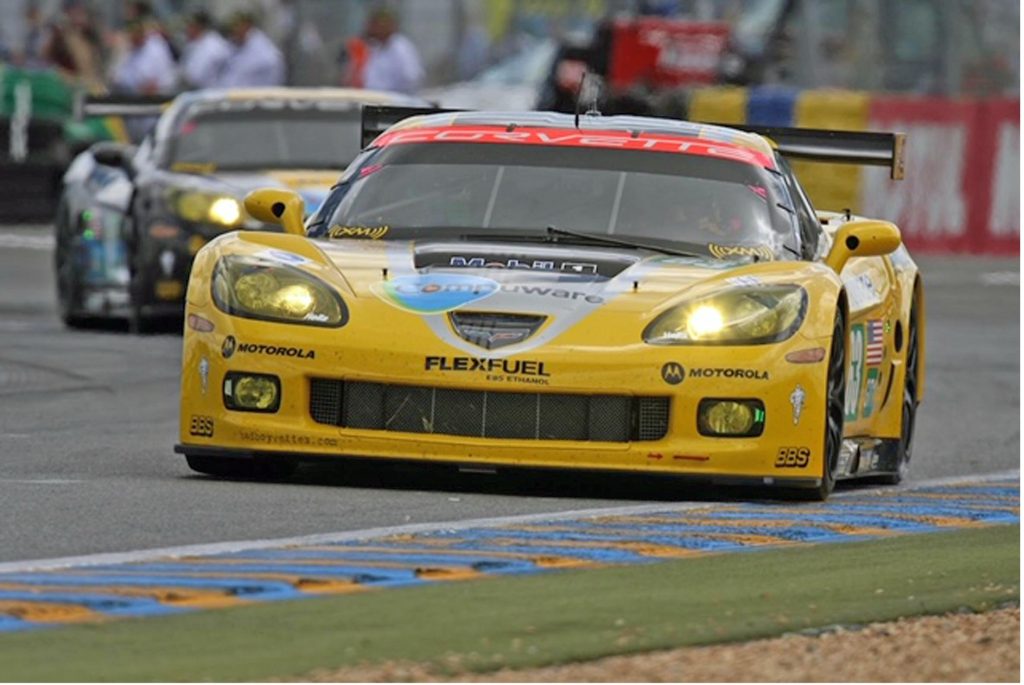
(867, 351)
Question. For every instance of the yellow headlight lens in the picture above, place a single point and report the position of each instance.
(256, 289)
(730, 418)
(746, 315)
(255, 392)
(193, 206)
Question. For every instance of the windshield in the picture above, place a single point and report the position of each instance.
(482, 190)
(262, 139)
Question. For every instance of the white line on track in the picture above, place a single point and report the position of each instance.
(1000, 278)
(214, 548)
(27, 241)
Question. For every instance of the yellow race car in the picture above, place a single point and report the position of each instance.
(620, 294)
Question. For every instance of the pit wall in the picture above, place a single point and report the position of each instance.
(961, 193)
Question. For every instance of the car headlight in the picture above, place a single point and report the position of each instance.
(200, 207)
(748, 315)
(255, 289)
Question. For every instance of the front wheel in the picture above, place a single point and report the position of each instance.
(835, 414)
(897, 452)
(67, 274)
(138, 322)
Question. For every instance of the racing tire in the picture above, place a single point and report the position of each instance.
(899, 451)
(138, 322)
(242, 469)
(835, 412)
(67, 276)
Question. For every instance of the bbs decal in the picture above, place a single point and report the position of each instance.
(792, 457)
(201, 426)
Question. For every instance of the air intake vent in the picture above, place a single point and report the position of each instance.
(508, 415)
(492, 330)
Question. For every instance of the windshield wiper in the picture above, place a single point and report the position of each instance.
(605, 240)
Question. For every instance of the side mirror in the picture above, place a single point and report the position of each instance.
(274, 206)
(865, 238)
(114, 155)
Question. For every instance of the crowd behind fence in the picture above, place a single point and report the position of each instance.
(938, 47)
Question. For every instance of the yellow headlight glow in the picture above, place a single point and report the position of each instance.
(202, 207)
(745, 315)
(296, 300)
(225, 211)
(704, 321)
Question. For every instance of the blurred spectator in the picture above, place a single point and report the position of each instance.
(74, 45)
(148, 67)
(394, 63)
(474, 47)
(352, 62)
(256, 61)
(32, 51)
(142, 10)
(205, 55)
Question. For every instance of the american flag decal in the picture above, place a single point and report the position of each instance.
(876, 343)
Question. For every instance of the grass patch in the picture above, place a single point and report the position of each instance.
(536, 620)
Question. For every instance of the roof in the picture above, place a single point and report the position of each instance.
(656, 134)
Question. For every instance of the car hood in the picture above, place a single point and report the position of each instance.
(554, 287)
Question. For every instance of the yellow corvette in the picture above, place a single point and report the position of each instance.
(620, 294)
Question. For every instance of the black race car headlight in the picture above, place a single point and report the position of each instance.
(255, 289)
(210, 208)
(748, 315)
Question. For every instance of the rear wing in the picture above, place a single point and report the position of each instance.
(868, 148)
(819, 145)
(379, 118)
(86, 105)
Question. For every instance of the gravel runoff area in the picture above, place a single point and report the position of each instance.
(951, 648)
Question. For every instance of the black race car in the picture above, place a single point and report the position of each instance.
(130, 218)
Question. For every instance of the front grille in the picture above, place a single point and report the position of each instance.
(481, 413)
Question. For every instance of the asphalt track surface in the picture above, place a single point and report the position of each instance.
(88, 420)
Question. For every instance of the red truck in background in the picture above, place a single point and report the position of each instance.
(664, 53)
(637, 59)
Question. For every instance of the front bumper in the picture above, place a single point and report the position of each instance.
(398, 355)
(487, 467)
